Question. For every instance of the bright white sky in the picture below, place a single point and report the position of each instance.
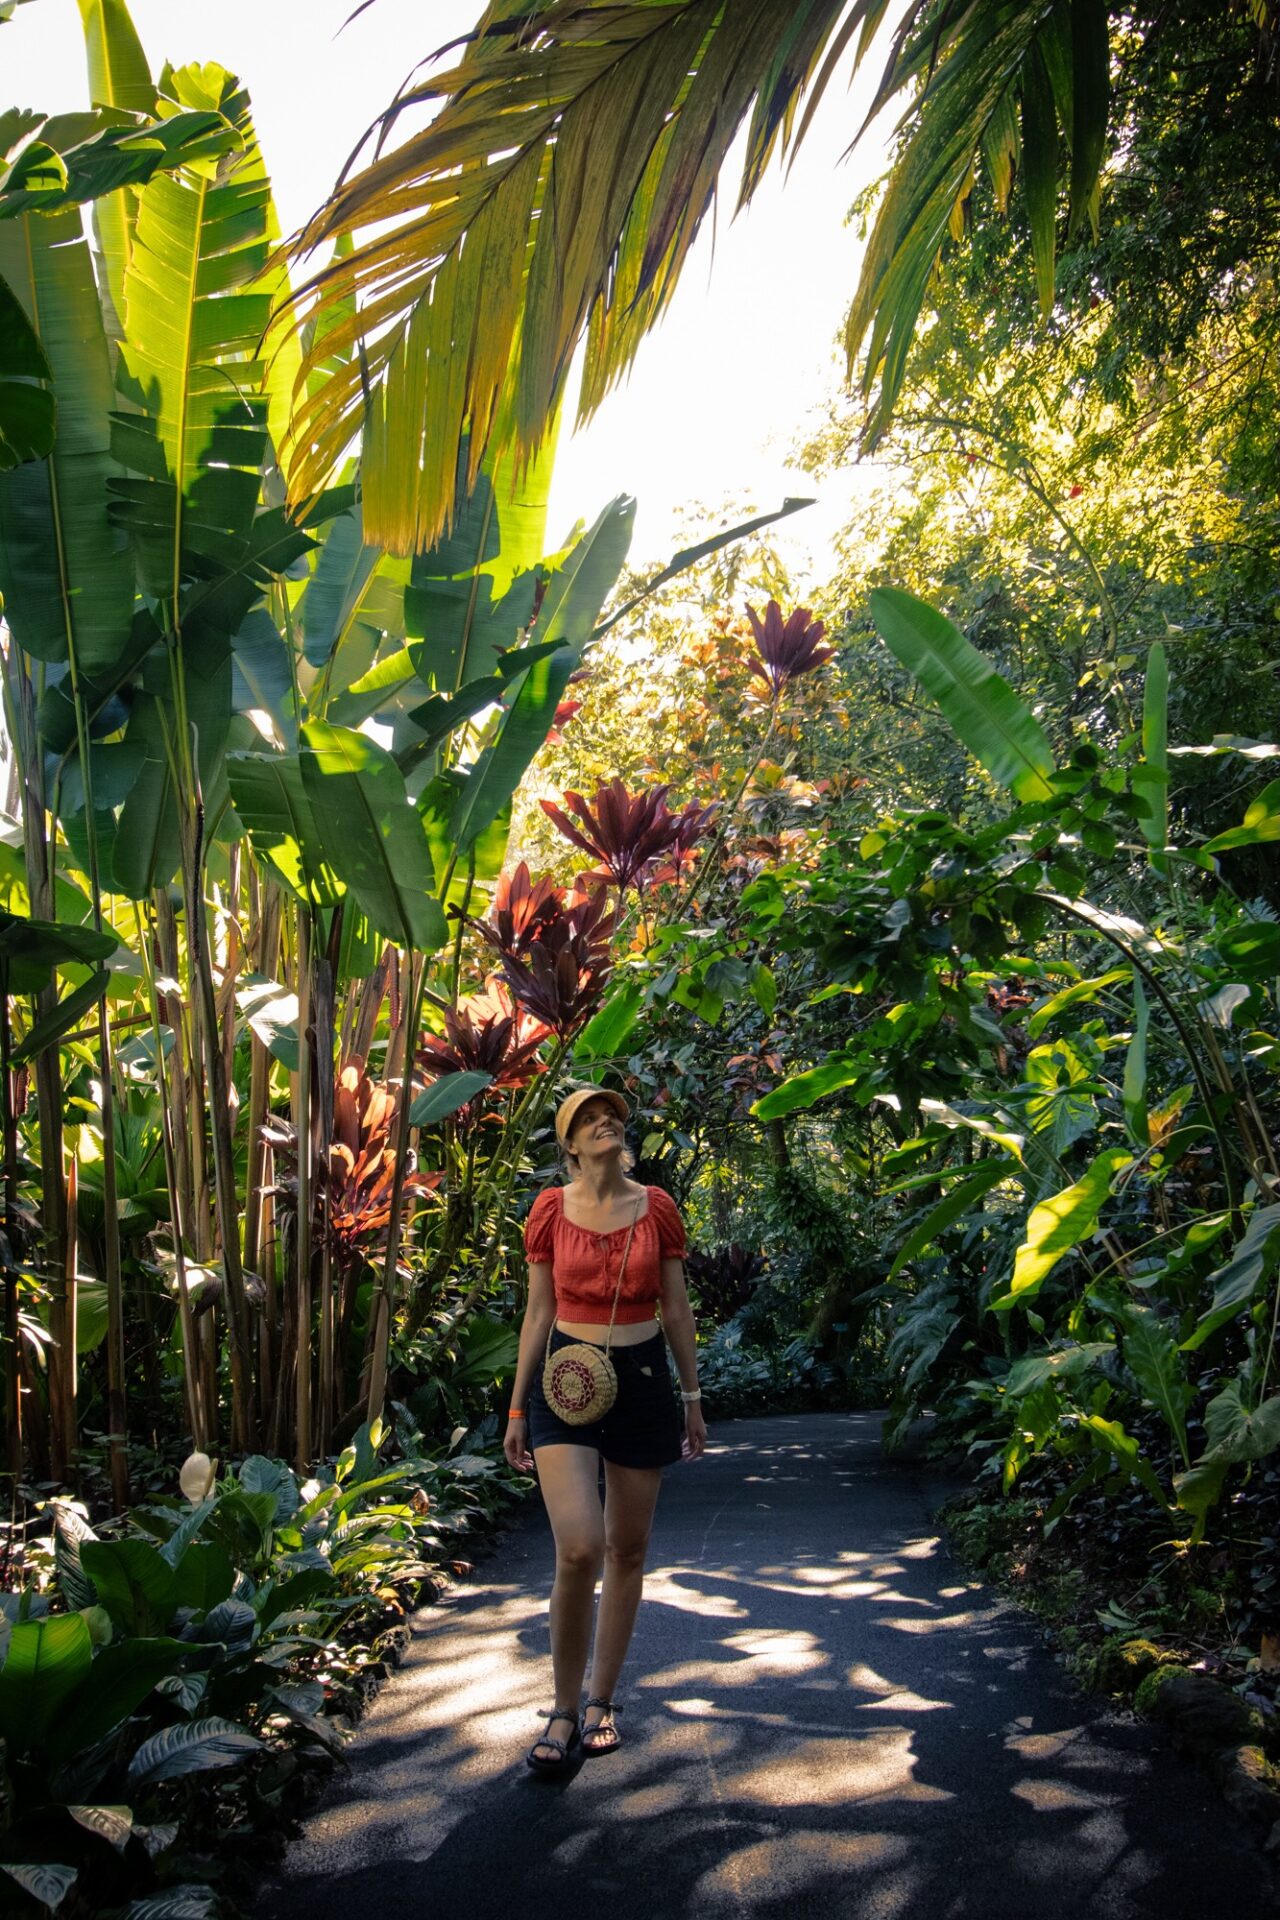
(722, 390)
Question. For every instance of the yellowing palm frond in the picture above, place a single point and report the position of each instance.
(574, 154)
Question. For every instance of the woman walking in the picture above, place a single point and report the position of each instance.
(604, 1252)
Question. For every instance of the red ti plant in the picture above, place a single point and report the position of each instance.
(521, 908)
(489, 1034)
(627, 832)
(360, 1170)
(787, 648)
(555, 960)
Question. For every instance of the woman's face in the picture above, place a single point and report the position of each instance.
(596, 1129)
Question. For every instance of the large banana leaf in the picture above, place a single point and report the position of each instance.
(148, 845)
(1058, 1225)
(73, 158)
(275, 811)
(979, 703)
(64, 570)
(196, 438)
(26, 395)
(371, 835)
(571, 607)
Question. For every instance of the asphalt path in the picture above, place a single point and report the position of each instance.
(822, 1716)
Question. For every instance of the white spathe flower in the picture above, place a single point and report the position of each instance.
(197, 1477)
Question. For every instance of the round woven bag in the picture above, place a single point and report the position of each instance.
(579, 1383)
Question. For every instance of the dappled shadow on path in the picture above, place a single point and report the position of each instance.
(820, 1710)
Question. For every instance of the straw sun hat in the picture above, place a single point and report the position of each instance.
(571, 1105)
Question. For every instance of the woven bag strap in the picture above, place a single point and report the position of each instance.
(621, 1270)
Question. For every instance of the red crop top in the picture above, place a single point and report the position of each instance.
(584, 1265)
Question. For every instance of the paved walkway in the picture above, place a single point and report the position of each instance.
(823, 1718)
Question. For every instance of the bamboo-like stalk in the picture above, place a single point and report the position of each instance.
(386, 1294)
(201, 1434)
(322, 1021)
(70, 1437)
(264, 922)
(200, 974)
(302, 1235)
(13, 1371)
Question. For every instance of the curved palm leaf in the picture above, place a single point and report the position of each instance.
(561, 184)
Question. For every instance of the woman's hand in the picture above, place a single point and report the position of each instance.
(515, 1444)
(695, 1431)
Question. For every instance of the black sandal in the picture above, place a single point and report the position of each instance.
(589, 1742)
(542, 1762)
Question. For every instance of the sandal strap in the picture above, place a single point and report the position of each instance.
(559, 1713)
(610, 1706)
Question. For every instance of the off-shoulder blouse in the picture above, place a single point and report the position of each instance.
(584, 1264)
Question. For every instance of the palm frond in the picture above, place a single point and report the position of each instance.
(574, 154)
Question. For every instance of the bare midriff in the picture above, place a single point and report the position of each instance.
(597, 1331)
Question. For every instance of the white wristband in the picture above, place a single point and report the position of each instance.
(687, 1397)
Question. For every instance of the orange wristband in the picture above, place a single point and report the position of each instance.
(516, 1413)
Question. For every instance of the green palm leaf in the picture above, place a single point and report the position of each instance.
(561, 184)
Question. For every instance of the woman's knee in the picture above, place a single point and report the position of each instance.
(580, 1554)
(627, 1553)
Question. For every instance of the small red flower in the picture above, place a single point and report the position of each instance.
(787, 648)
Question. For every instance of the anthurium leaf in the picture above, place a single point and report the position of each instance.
(1058, 1225)
(70, 1530)
(187, 1902)
(1079, 991)
(194, 1746)
(46, 1883)
(446, 1095)
(371, 835)
(47, 1663)
(112, 1824)
(135, 1583)
(948, 1211)
(979, 705)
(1112, 1435)
(1063, 1363)
(121, 1677)
(1238, 1282)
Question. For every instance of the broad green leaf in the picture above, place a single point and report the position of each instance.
(446, 1095)
(606, 1031)
(135, 1583)
(68, 1013)
(121, 1677)
(1056, 1226)
(1111, 1435)
(46, 1883)
(194, 1746)
(1064, 1363)
(275, 810)
(272, 1013)
(976, 701)
(195, 437)
(148, 843)
(64, 570)
(1261, 824)
(26, 396)
(1199, 1490)
(31, 950)
(1234, 1430)
(948, 1211)
(47, 1662)
(1151, 1355)
(802, 1090)
(1079, 991)
(1040, 172)
(371, 835)
(1237, 1283)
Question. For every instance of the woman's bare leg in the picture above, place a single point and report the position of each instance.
(631, 1495)
(569, 1478)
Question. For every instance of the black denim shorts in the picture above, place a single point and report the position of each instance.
(643, 1427)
